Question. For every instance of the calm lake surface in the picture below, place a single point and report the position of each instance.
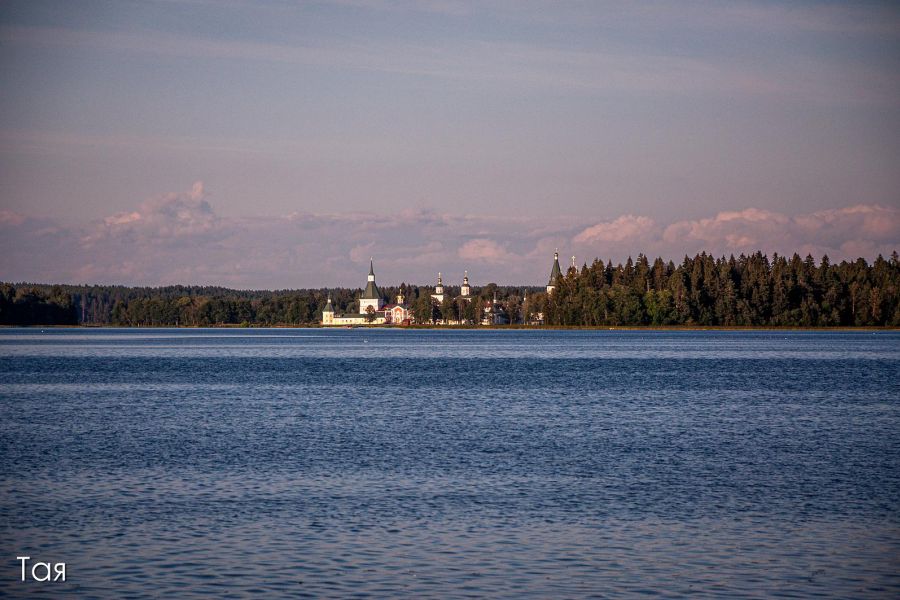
(231, 463)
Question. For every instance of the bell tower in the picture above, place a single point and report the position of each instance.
(439, 290)
(371, 296)
(328, 313)
(465, 291)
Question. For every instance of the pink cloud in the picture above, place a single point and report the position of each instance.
(873, 220)
(179, 238)
(176, 215)
(362, 254)
(731, 231)
(861, 230)
(624, 228)
(122, 219)
(484, 250)
(8, 217)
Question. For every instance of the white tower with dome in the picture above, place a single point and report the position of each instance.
(465, 292)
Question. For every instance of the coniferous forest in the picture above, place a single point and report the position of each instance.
(744, 291)
(700, 291)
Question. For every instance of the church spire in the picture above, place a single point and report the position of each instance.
(371, 292)
(555, 273)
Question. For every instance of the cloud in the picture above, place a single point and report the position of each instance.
(484, 250)
(624, 228)
(11, 218)
(180, 238)
(847, 232)
(874, 221)
(837, 232)
(733, 231)
(186, 216)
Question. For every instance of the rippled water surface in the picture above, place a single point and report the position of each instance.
(215, 463)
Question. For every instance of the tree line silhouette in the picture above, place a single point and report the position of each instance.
(700, 291)
(744, 291)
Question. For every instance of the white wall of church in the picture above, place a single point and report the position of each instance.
(365, 303)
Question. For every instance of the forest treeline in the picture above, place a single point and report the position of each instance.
(744, 291)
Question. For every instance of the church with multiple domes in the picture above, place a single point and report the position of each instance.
(374, 311)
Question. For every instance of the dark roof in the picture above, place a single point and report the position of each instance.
(371, 292)
(555, 273)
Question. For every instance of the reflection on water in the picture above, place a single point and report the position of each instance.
(461, 463)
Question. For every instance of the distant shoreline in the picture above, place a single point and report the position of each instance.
(482, 327)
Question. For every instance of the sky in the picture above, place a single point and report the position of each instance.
(282, 144)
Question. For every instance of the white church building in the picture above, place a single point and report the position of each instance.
(372, 309)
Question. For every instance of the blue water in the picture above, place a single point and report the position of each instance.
(232, 463)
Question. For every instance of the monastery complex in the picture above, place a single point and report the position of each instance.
(374, 311)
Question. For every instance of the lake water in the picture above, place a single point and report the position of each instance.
(231, 463)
